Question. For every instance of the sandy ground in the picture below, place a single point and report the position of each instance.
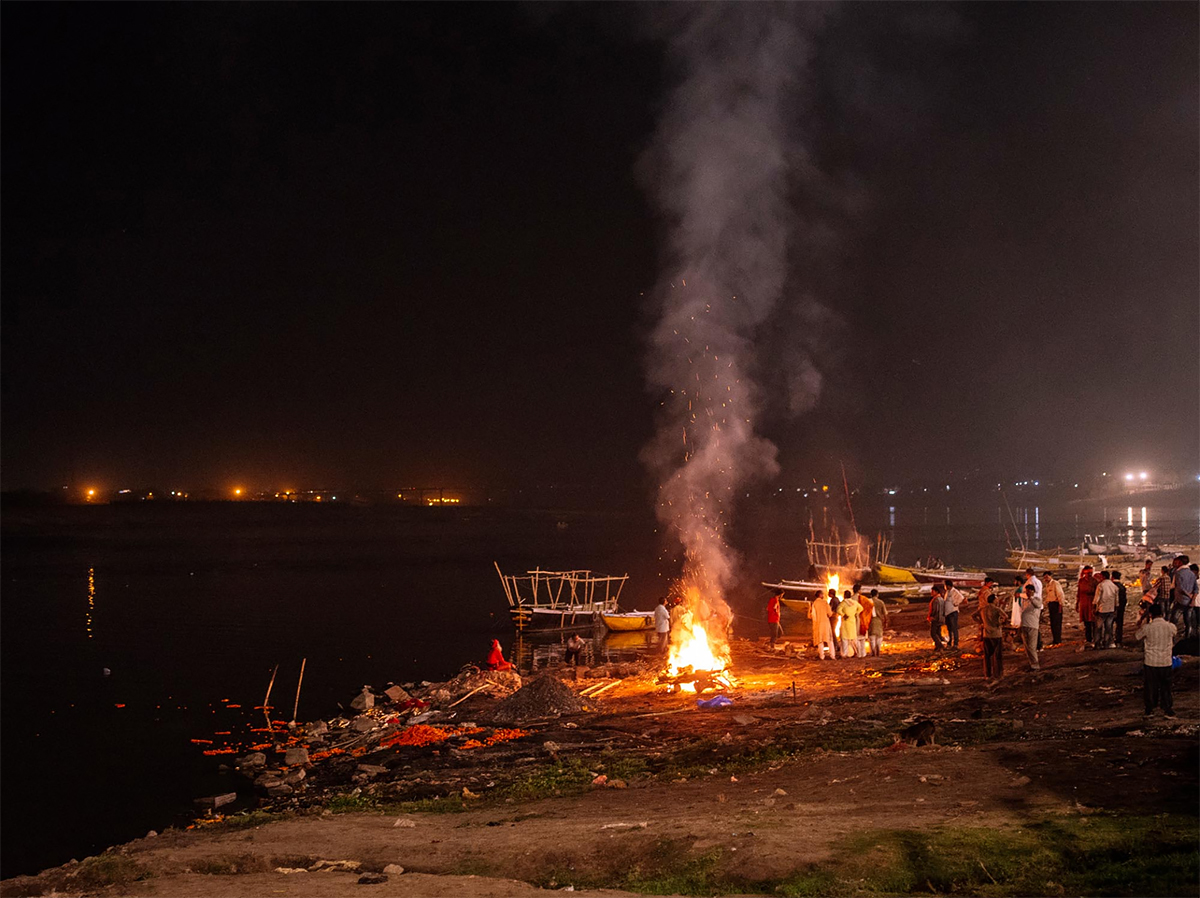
(1068, 740)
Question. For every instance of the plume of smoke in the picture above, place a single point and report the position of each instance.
(720, 170)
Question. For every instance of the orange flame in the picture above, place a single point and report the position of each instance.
(833, 581)
(693, 647)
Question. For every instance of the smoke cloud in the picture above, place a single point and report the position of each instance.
(721, 169)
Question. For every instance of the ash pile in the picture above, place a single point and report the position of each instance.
(543, 698)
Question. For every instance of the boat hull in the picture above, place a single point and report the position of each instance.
(891, 574)
(968, 579)
(527, 618)
(621, 623)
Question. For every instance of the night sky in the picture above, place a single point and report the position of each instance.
(383, 245)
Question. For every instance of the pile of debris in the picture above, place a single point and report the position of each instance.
(547, 696)
(497, 684)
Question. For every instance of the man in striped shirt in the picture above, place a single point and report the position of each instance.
(1158, 636)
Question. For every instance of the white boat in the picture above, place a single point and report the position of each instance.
(1177, 549)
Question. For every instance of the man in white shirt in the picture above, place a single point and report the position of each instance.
(1158, 637)
(1107, 594)
(951, 603)
(662, 625)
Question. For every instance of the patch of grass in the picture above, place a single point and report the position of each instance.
(351, 803)
(106, 870)
(1098, 855)
(231, 865)
(248, 820)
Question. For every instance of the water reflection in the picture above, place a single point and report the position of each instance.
(891, 515)
(535, 651)
(91, 593)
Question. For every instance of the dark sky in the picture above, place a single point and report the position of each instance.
(381, 245)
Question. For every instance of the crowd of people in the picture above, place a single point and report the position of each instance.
(849, 627)
(1169, 609)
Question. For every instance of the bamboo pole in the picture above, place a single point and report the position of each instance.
(296, 707)
(472, 692)
(267, 699)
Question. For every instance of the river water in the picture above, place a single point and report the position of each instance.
(190, 607)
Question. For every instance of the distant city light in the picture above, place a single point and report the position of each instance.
(91, 492)
(1129, 477)
(1142, 476)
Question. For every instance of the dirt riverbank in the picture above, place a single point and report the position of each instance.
(1049, 783)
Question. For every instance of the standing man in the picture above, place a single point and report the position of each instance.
(1085, 593)
(1052, 597)
(1162, 591)
(865, 614)
(836, 623)
(990, 625)
(822, 629)
(773, 606)
(1122, 601)
(934, 617)
(1106, 610)
(1183, 587)
(878, 619)
(848, 613)
(662, 625)
(1158, 637)
(1031, 620)
(1146, 579)
(953, 601)
(1031, 577)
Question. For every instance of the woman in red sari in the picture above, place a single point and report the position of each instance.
(495, 660)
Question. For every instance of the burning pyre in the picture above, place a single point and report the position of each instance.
(698, 659)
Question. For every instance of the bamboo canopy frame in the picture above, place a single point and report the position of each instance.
(577, 591)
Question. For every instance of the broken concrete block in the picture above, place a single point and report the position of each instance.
(295, 756)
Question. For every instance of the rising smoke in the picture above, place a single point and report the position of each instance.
(721, 169)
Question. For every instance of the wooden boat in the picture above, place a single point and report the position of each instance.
(560, 600)
(1177, 549)
(890, 573)
(798, 594)
(629, 620)
(968, 579)
(1053, 559)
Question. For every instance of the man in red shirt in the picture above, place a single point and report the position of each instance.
(773, 617)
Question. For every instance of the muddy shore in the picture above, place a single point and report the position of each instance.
(1048, 783)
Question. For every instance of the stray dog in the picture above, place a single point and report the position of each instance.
(923, 732)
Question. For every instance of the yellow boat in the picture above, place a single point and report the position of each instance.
(632, 620)
(889, 573)
(798, 605)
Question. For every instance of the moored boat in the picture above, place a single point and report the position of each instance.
(560, 600)
(890, 573)
(622, 621)
(968, 579)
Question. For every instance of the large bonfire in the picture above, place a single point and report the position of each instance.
(699, 646)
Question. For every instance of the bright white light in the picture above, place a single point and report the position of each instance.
(1129, 477)
(1142, 476)
(1035, 483)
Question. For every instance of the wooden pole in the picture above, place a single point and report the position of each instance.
(296, 707)
(267, 699)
